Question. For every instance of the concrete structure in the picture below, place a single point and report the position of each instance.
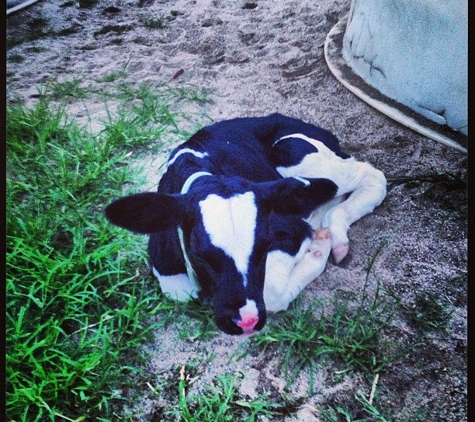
(415, 52)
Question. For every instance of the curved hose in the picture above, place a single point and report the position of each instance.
(20, 6)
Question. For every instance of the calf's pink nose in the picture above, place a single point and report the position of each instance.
(248, 322)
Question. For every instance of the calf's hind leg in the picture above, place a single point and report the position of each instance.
(367, 188)
(365, 185)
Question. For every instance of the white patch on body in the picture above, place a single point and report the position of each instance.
(197, 154)
(178, 287)
(323, 163)
(231, 225)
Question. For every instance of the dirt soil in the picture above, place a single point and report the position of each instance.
(259, 57)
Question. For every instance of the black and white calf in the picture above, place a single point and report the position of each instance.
(247, 214)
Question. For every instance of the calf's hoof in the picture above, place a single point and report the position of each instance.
(321, 243)
(339, 252)
(322, 234)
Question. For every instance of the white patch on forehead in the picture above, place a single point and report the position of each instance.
(197, 154)
(231, 225)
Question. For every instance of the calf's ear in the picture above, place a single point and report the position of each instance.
(145, 213)
(294, 195)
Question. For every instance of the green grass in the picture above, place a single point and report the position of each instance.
(220, 402)
(352, 334)
(70, 88)
(305, 337)
(113, 76)
(154, 22)
(16, 58)
(426, 313)
(348, 331)
(365, 408)
(79, 293)
(147, 113)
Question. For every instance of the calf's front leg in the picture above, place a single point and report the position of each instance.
(287, 276)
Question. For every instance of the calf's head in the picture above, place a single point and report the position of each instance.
(229, 225)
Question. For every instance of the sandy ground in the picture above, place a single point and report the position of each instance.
(258, 57)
